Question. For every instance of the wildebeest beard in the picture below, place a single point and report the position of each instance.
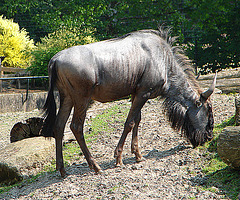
(179, 119)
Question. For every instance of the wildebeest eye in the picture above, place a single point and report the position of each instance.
(198, 104)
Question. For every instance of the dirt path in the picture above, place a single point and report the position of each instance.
(171, 170)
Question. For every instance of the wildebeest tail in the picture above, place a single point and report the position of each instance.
(49, 108)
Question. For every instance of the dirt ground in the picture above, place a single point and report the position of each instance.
(171, 169)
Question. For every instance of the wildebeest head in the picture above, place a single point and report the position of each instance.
(198, 122)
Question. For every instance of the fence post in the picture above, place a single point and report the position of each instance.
(1, 71)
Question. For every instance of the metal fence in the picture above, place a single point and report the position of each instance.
(21, 78)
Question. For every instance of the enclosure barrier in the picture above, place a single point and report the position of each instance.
(20, 78)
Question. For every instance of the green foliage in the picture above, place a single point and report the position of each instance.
(15, 44)
(55, 42)
(216, 28)
(209, 29)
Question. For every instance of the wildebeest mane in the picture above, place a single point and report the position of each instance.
(179, 56)
(176, 113)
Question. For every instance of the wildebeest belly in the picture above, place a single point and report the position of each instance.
(111, 91)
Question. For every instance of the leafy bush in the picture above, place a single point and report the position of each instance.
(15, 44)
(55, 42)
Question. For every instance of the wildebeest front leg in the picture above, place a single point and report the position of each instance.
(133, 120)
(77, 129)
(134, 144)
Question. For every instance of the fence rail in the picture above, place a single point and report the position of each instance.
(7, 69)
(10, 69)
(24, 77)
(20, 78)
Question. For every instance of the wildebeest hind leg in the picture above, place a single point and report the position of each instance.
(62, 116)
(77, 128)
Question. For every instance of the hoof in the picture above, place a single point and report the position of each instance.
(63, 173)
(119, 162)
(138, 160)
(118, 165)
(99, 172)
(96, 168)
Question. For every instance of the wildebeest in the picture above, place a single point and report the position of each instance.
(143, 64)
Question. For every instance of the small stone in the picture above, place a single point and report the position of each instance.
(134, 167)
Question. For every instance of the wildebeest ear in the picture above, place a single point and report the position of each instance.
(209, 92)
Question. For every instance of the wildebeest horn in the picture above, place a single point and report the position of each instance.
(198, 76)
(209, 92)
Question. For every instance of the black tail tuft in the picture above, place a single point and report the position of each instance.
(49, 107)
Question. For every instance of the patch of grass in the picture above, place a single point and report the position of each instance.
(217, 172)
(71, 151)
(214, 165)
(102, 122)
(227, 180)
(6, 188)
(219, 127)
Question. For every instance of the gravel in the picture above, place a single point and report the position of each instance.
(171, 168)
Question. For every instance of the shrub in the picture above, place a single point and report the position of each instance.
(55, 42)
(15, 44)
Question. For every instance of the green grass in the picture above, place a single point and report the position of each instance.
(218, 174)
(102, 122)
(226, 180)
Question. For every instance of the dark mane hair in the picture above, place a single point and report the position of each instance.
(179, 55)
(176, 113)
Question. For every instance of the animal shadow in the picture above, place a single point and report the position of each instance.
(162, 154)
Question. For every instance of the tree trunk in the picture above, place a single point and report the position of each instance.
(29, 129)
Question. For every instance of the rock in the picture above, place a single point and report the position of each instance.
(228, 146)
(25, 158)
(237, 112)
(29, 129)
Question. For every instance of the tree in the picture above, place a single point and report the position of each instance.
(55, 42)
(209, 29)
(15, 44)
(213, 30)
